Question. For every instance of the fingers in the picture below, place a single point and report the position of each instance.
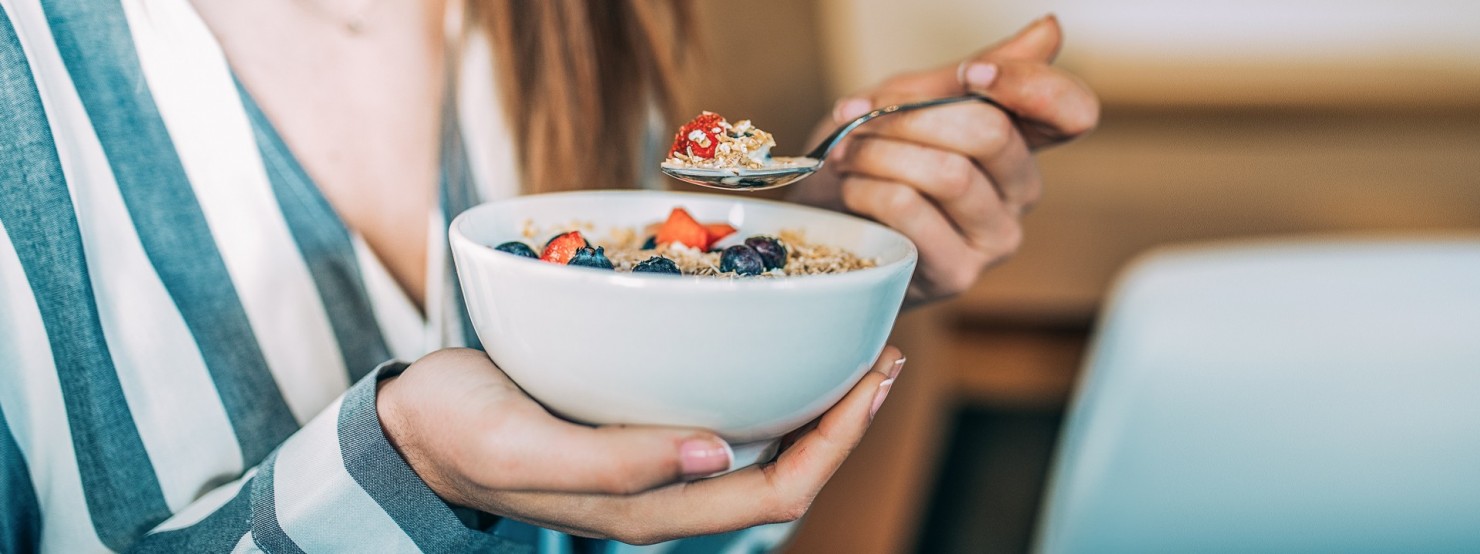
(952, 181)
(756, 495)
(532, 450)
(487, 435)
(627, 460)
(813, 459)
(948, 262)
(899, 206)
(966, 139)
(1039, 41)
(1052, 104)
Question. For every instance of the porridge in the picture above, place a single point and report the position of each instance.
(681, 245)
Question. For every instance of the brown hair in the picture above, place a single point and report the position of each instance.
(578, 79)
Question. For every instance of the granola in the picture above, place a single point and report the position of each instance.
(711, 142)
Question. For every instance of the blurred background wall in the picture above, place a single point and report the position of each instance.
(1222, 120)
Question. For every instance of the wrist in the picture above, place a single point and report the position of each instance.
(397, 423)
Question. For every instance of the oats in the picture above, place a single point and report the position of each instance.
(737, 148)
(623, 248)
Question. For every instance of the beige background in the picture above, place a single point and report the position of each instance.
(1222, 120)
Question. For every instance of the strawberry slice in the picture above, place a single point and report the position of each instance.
(683, 229)
(699, 137)
(563, 247)
(718, 231)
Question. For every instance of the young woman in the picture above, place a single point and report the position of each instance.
(219, 220)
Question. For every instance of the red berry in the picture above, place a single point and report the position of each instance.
(563, 247)
(681, 228)
(699, 137)
(717, 231)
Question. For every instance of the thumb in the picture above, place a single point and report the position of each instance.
(619, 459)
(1038, 42)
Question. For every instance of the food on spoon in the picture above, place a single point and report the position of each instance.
(711, 142)
(700, 137)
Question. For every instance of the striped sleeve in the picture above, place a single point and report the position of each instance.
(334, 485)
(337, 485)
(20, 529)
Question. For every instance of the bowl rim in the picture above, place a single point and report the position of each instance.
(464, 245)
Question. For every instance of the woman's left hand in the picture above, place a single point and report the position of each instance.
(956, 179)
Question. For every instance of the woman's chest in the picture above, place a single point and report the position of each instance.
(361, 111)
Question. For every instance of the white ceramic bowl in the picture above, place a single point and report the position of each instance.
(750, 359)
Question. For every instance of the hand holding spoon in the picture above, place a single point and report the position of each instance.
(793, 169)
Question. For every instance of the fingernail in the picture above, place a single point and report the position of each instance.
(979, 75)
(848, 108)
(898, 365)
(702, 457)
(880, 396)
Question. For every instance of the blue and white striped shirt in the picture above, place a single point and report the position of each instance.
(189, 336)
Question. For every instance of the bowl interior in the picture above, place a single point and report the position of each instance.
(604, 211)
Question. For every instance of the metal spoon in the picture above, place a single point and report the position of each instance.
(789, 170)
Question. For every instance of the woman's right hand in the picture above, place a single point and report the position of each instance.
(478, 441)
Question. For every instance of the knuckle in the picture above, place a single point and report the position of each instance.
(617, 479)
(900, 200)
(784, 505)
(959, 281)
(955, 175)
(1011, 240)
(793, 510)
(855, 196)
(994, 133)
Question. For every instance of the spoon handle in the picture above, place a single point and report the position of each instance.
(820, 152)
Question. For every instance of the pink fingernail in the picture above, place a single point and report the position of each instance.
(980, 75)
(898, 365)
(849, 108)
(701, 457)
(880, 396)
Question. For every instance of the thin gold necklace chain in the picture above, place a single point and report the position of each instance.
(353, 23)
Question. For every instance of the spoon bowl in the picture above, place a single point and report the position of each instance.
(788, 170)
(795, 170)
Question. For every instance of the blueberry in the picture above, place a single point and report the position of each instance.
(772, 252)
(591, 257)
(741, 259)
(651, 243)
(657, 264)
(518, 249)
